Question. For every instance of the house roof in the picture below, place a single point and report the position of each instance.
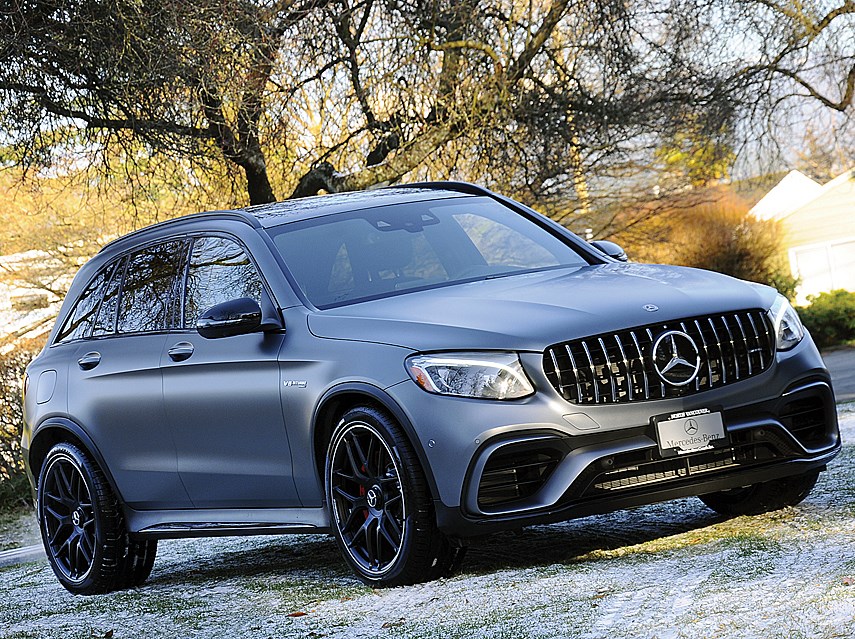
(792, 192)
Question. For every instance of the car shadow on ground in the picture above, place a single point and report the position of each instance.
(294, 557)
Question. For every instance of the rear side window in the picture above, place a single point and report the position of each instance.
(219, 271)
(80, 320)
(148, 289)
(105, 323)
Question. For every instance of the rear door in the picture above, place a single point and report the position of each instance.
(222, 395)
(114, 381)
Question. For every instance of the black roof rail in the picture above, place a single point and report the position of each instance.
(460, 187)
(239, 215)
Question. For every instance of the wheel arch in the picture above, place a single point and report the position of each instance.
(342, 397)
(56, 430)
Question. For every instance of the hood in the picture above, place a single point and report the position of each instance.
(531, 311)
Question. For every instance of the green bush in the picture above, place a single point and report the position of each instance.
(14, 487)
(830, 317)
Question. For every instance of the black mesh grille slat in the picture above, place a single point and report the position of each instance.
(615, 368)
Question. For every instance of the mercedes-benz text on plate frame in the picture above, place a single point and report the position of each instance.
(690, 431)
(404, 369)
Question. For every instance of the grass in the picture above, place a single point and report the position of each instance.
(18, 527)
(668, 571)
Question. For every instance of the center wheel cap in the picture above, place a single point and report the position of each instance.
(374, 497)
(76, 518)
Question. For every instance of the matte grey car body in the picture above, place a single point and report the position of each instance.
(241, 434)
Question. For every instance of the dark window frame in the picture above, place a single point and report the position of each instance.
(106, 268)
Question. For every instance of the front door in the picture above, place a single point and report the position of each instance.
(222, 395)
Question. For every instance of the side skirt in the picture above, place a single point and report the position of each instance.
(175, 524)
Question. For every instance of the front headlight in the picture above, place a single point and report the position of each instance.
(788, 327)
(479, 375)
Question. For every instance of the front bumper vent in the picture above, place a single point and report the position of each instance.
(616, 368)
(805, 419)
(514, 475)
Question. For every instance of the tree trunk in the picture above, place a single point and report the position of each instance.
(258, 184)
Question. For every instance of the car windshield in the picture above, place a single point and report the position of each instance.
(355, 256)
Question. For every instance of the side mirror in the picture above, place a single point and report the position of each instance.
(235, 317)
(611, 249)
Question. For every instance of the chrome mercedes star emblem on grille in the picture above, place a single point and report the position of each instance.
(676, 358)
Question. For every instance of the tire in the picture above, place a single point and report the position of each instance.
(138, 563)
(83, 528)
(381, 510)
(764, 497)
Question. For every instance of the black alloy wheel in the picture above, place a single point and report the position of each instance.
(68, 518)
(368, 499)
(380, 505)
(83, 528)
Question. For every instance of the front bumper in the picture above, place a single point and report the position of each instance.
(504, 465)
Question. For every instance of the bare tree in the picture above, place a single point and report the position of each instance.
(568, 104)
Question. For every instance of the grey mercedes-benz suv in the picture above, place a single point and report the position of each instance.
(405, 368)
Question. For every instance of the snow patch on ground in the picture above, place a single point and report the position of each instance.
(668, 571)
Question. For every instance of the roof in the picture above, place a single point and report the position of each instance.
(789, 194)
(276, 213)
(318, 205)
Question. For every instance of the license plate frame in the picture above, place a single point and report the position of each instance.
(691, 431)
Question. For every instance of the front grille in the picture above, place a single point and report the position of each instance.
(616, 368)
(514, 475)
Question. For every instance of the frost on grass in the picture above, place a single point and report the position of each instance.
(673, 570)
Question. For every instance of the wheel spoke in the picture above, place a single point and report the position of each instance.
(355, 466)
(363, 460)
(345, 476)
(341, 492)
(65, 482)
(371, 542)
(352, 518)
(83, 546)
(361, 532)
(57, 534)
(60, 519)
(393, 522)
(368, 455)
(51, 496)
(395, 543)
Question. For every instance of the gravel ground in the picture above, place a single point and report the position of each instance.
(673, 570)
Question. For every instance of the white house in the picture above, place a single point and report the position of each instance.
(819, 226)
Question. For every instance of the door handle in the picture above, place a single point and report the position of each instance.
(181, 351)
(89, 361)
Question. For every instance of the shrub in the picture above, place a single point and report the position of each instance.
(14, 487)
(713, 230)
(830, 317)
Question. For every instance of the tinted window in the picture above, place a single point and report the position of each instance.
(148, 288)
(371, 253)
(79, 322)
(219, 271)
(105, 323)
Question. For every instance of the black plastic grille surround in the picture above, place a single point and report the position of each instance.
(516, 474)
(617, 368)
(805, 419)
